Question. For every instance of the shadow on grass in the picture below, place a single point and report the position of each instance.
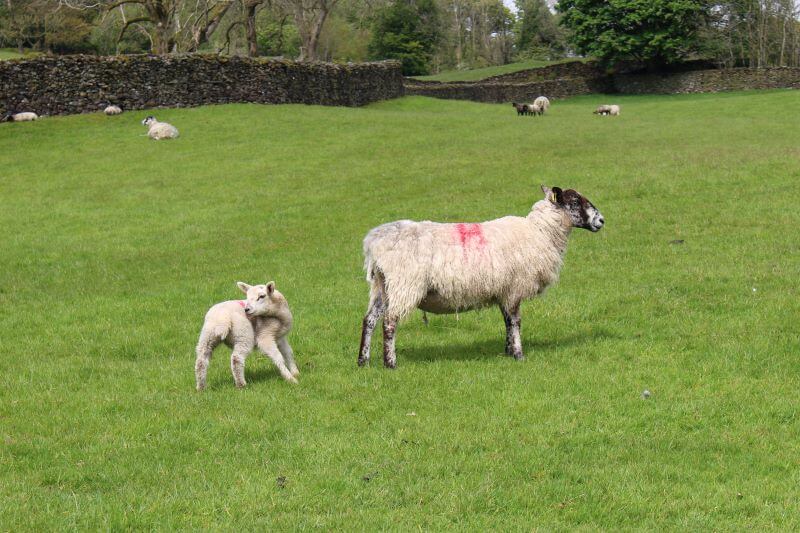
(532, 345)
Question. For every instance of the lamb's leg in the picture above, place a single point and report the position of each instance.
(509, 338)
(288, 356)
(238, 357)
(516, 338)
(205, 347)
(271, 350)
(389, 329)
(374, 313)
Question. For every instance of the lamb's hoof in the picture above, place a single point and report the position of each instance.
(519, 357)
(391, 365)
(293, 381)
(363, 362)
(295, 372)
(200, 389)
(241, 385)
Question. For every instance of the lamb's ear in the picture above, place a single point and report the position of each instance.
(546, 191)
(270, 287)
(244, 287)
(551, 194)
(557, 196)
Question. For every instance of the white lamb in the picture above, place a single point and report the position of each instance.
(113, 110)
(22, 117)
(262, 320)
(543, 103)
(613, 110)
(447, 268)
(159, 130)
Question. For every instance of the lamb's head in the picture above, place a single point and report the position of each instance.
(260, 298)
(582, 213)
(149, 120)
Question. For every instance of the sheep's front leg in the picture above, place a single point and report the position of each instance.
(288, 356)
(374, 313)
(238, 357)
(507, 321)
(389, 329)
(271, 350)
(513, 333)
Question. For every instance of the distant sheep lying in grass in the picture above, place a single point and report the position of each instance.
(112, 110)
(606, 110)
(447, 268)
(21, 117)
(543, 103)
(159, 130)
(263, 320)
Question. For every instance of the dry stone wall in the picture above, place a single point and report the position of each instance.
(56, 85)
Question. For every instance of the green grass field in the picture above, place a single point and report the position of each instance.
(482, 73)
(114, 246)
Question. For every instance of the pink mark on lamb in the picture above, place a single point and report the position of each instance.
(470, 236)
(243, 303)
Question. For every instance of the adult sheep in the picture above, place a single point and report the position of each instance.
(27, 116)
(447, 268)
(112, 110)
(159, 130)
(543, 103)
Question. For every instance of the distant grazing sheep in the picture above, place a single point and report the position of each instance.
(543, 103)
(447, 268)
(606, 110)
(21, 117)
(527, 109)
(263, 320)
(159, 130)
(112, 110)
(522, 109)
(536, 109)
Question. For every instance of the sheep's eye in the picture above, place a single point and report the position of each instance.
(261, 296)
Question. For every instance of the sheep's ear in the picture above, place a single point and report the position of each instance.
(244, 287)
(270, 287)
(557, 196)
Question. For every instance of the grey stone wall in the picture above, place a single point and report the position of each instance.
(708, 81)
(586, 79)
(55, 85)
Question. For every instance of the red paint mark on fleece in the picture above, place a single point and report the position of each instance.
(470, 236)
(243, 303)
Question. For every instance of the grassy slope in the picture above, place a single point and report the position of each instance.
(12, 53)
(114, 246)
(481, 73)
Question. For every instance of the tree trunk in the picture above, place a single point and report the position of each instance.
(250, 30)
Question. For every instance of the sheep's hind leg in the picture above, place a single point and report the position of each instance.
(374, 313)
(205, 347)
(515, 333)
(238, 357)
(509, 338)
(389, 330)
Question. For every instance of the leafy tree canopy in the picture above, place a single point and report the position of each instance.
(657, 32)
(407, 30)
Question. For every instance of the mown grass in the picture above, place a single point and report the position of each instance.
(486, 72)
(114, 246)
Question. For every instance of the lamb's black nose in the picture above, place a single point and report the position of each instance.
(602, 221)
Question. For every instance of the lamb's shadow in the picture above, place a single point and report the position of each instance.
(469, 351)
(257, 369)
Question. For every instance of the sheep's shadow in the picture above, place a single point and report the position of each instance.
(258, 368)
(486, 349)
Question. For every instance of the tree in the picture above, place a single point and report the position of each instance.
(407, 30)
(309, 17)
(539, 34)
(656, 32)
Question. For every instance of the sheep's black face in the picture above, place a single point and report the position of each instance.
(582, 212)
(149, 120)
